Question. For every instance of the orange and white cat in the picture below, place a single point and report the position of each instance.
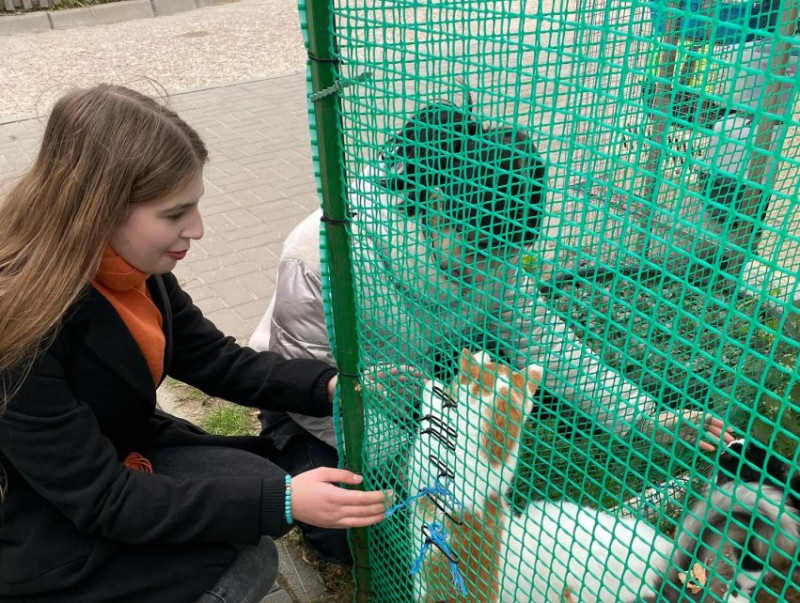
(467, 449)
(738, 543)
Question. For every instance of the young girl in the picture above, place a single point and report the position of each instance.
(105, 497)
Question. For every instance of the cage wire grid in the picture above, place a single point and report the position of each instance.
(606, 189)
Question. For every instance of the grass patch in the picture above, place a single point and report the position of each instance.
(231, 420)
(185, 392)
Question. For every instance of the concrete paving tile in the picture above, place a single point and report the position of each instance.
(271, 273)
(259, 195)
(233, 182)
(213, 245)
(235, 292)
(218, 223)
(273, 236)
(243, 184)
(199, 290)
(242, 267)
(297, 575)
(278, 211)
(219, 206)
(260, 285)
(214, 261)
(243, 218)
(278, 596)
(230, 323)
(285, 225)
(209, 304)
(253, 310)
(309, 202)
(263, 257)
(259, 227)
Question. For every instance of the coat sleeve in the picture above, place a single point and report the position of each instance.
(297, 327)
(206, 359)
(55, 443)
(572, 370)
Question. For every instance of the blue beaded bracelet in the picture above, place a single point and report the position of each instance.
(288, 498)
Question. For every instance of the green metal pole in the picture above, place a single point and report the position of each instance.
(325, 126)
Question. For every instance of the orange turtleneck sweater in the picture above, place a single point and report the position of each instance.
(124, 286)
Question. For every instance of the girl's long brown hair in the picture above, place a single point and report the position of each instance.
(104, 148)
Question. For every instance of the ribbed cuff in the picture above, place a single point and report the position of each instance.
(273, 507)
(320, 389)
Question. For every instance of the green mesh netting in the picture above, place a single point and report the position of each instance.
(608, 190)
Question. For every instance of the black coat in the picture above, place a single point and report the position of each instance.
(88, 401)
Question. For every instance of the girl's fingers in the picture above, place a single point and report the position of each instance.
(356, 498)
(342, 476)
(363, 510)
(360, 522)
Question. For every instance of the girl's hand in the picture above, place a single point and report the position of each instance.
(332, 388)
(319, 501)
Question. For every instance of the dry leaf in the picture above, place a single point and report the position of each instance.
(699, 574)
(567, 596)
(697, 581)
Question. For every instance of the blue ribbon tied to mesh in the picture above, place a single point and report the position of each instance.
(438, 489)
(437, 536)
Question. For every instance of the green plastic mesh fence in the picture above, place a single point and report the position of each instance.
(579, 221)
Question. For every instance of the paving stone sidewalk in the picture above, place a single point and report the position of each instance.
(259, 185)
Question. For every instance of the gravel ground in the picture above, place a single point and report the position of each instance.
(238, 41)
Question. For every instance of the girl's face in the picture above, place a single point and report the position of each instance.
(157, 234)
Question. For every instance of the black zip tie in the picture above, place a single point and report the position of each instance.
(445, 509)
(439, 436)
(339, 86)
(444, 397)
(324, 61)
(444, 470)
(448, 429)
(334, 221)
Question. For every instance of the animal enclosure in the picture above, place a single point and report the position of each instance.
(584, 212)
